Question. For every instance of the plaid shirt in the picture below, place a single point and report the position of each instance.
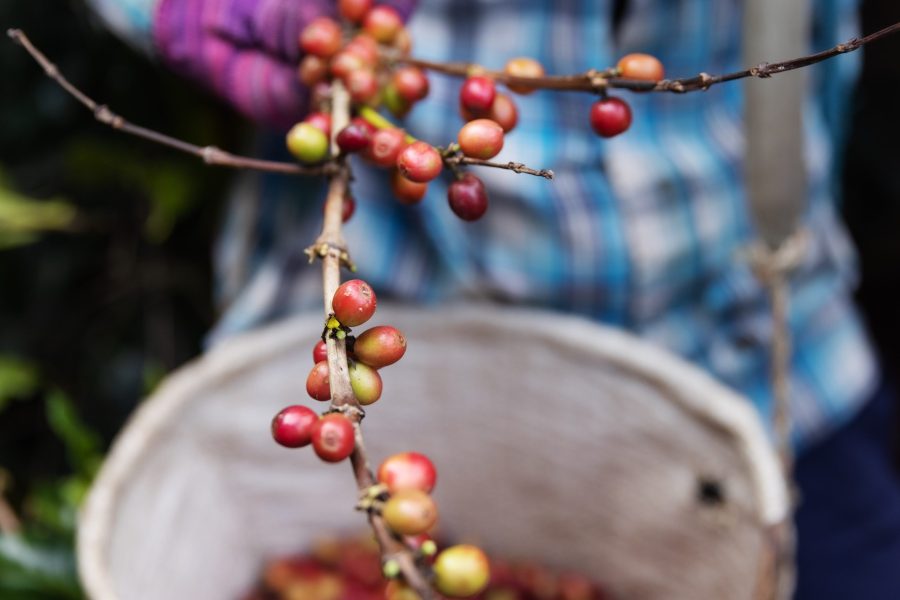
(643, 231)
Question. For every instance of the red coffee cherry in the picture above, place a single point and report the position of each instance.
(345, 63)
(353, 138)
(365, 382)
(403, 41)
(411, 83)
(292, 427)
(386, 145)
(320, 352)
(380, 346)
(481, 138)
(321, 121)
(407, 471)
(321, 37)
(420, 162)
(364, 47)
(354, 10)
(307, 143)
(313, 69)
(467, 198)
(406, 191)
(523, 67)
(477, 93)
(317, 385)
(333, 437)
(353, 303)
(461, 571)
(504, 112)
(383, 23)
(410, 512)
(362, 85)
(610, 117)
(643, 67)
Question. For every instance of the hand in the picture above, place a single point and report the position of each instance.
(246, 51)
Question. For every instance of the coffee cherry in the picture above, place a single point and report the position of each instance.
(394, 102)
(407, 471)
(643, 67)
(477, 93)
(307, 143)
(353, 138)
(461, 571)
(411, 83)
(610, 117)
(382, 23)
(380, 346)
(406, 191)
(420, 162)
(365, 48)
(353, 303)
(333, 437)
(292, 427)
(321, 121)
(467, 198)
(481, 138)
(321, 37)
(504, 112)
(523, 67)
(399, 590)
(312, 70)
(403, 41)
(354, 10)
(366, 383)
(320, 352)
(317, 385)
(362, 85)
(410, 512)
(386, 146)
(345, 63)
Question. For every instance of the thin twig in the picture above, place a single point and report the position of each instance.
(342, 397)
(600, 81)
(208, 154)
(515, 167)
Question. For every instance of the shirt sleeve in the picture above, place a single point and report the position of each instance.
(132, 20)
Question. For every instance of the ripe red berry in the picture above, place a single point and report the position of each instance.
(333, 437)
(461, 571)
(292, 427)
(407, 471)
(364, 47)
(380, 346)
(477, 93)
(523, 67)
(643, 67)
(411, 83)
(354, 10)
(320, 352)
(317, 385)
(353, 138)
(353, 303)
(365, 382)
(321, 121)
(610, 117)
(383, 23)
(468, 198)
(321, 37)
(420, 162)
(312, 70)
(362, 85)
(406, 191)
(386, 146)
(504, 112)
(410, 512)
(345, 63)
(481, 138)
(403, 41)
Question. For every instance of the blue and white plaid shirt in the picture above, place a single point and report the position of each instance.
(643, 231)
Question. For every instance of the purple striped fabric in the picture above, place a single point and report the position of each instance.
(244, 50)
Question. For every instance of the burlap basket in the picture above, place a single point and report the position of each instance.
(555, 439)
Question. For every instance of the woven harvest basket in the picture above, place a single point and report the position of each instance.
(555, 439)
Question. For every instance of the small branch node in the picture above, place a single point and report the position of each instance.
(762, 70)
(706, 80)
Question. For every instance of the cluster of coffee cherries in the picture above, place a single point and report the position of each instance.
(611, 116)
(350, 569)
(332, 435)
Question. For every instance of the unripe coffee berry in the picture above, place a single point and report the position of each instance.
(382, 23)
(322, 37)
(321, 121)
(481, 138)
(394, 102)
(292, 427)
(353, 303)
(399, 590)
(461, 571)
(477, 93)
(420, 162)
(610, 117)
(353, 138)
(406, 191)
(407, 471)
(365, 382)
(467, 198)
(523, 67)
(643, 67)
(380, 346)
(333, 437)
(317, 384)
(307, 143)
(410, 512)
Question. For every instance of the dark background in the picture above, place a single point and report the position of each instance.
(94, 312)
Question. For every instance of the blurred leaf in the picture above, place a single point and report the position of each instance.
(82, 444)
(18, 378)
(32, 570)
(23, 218)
